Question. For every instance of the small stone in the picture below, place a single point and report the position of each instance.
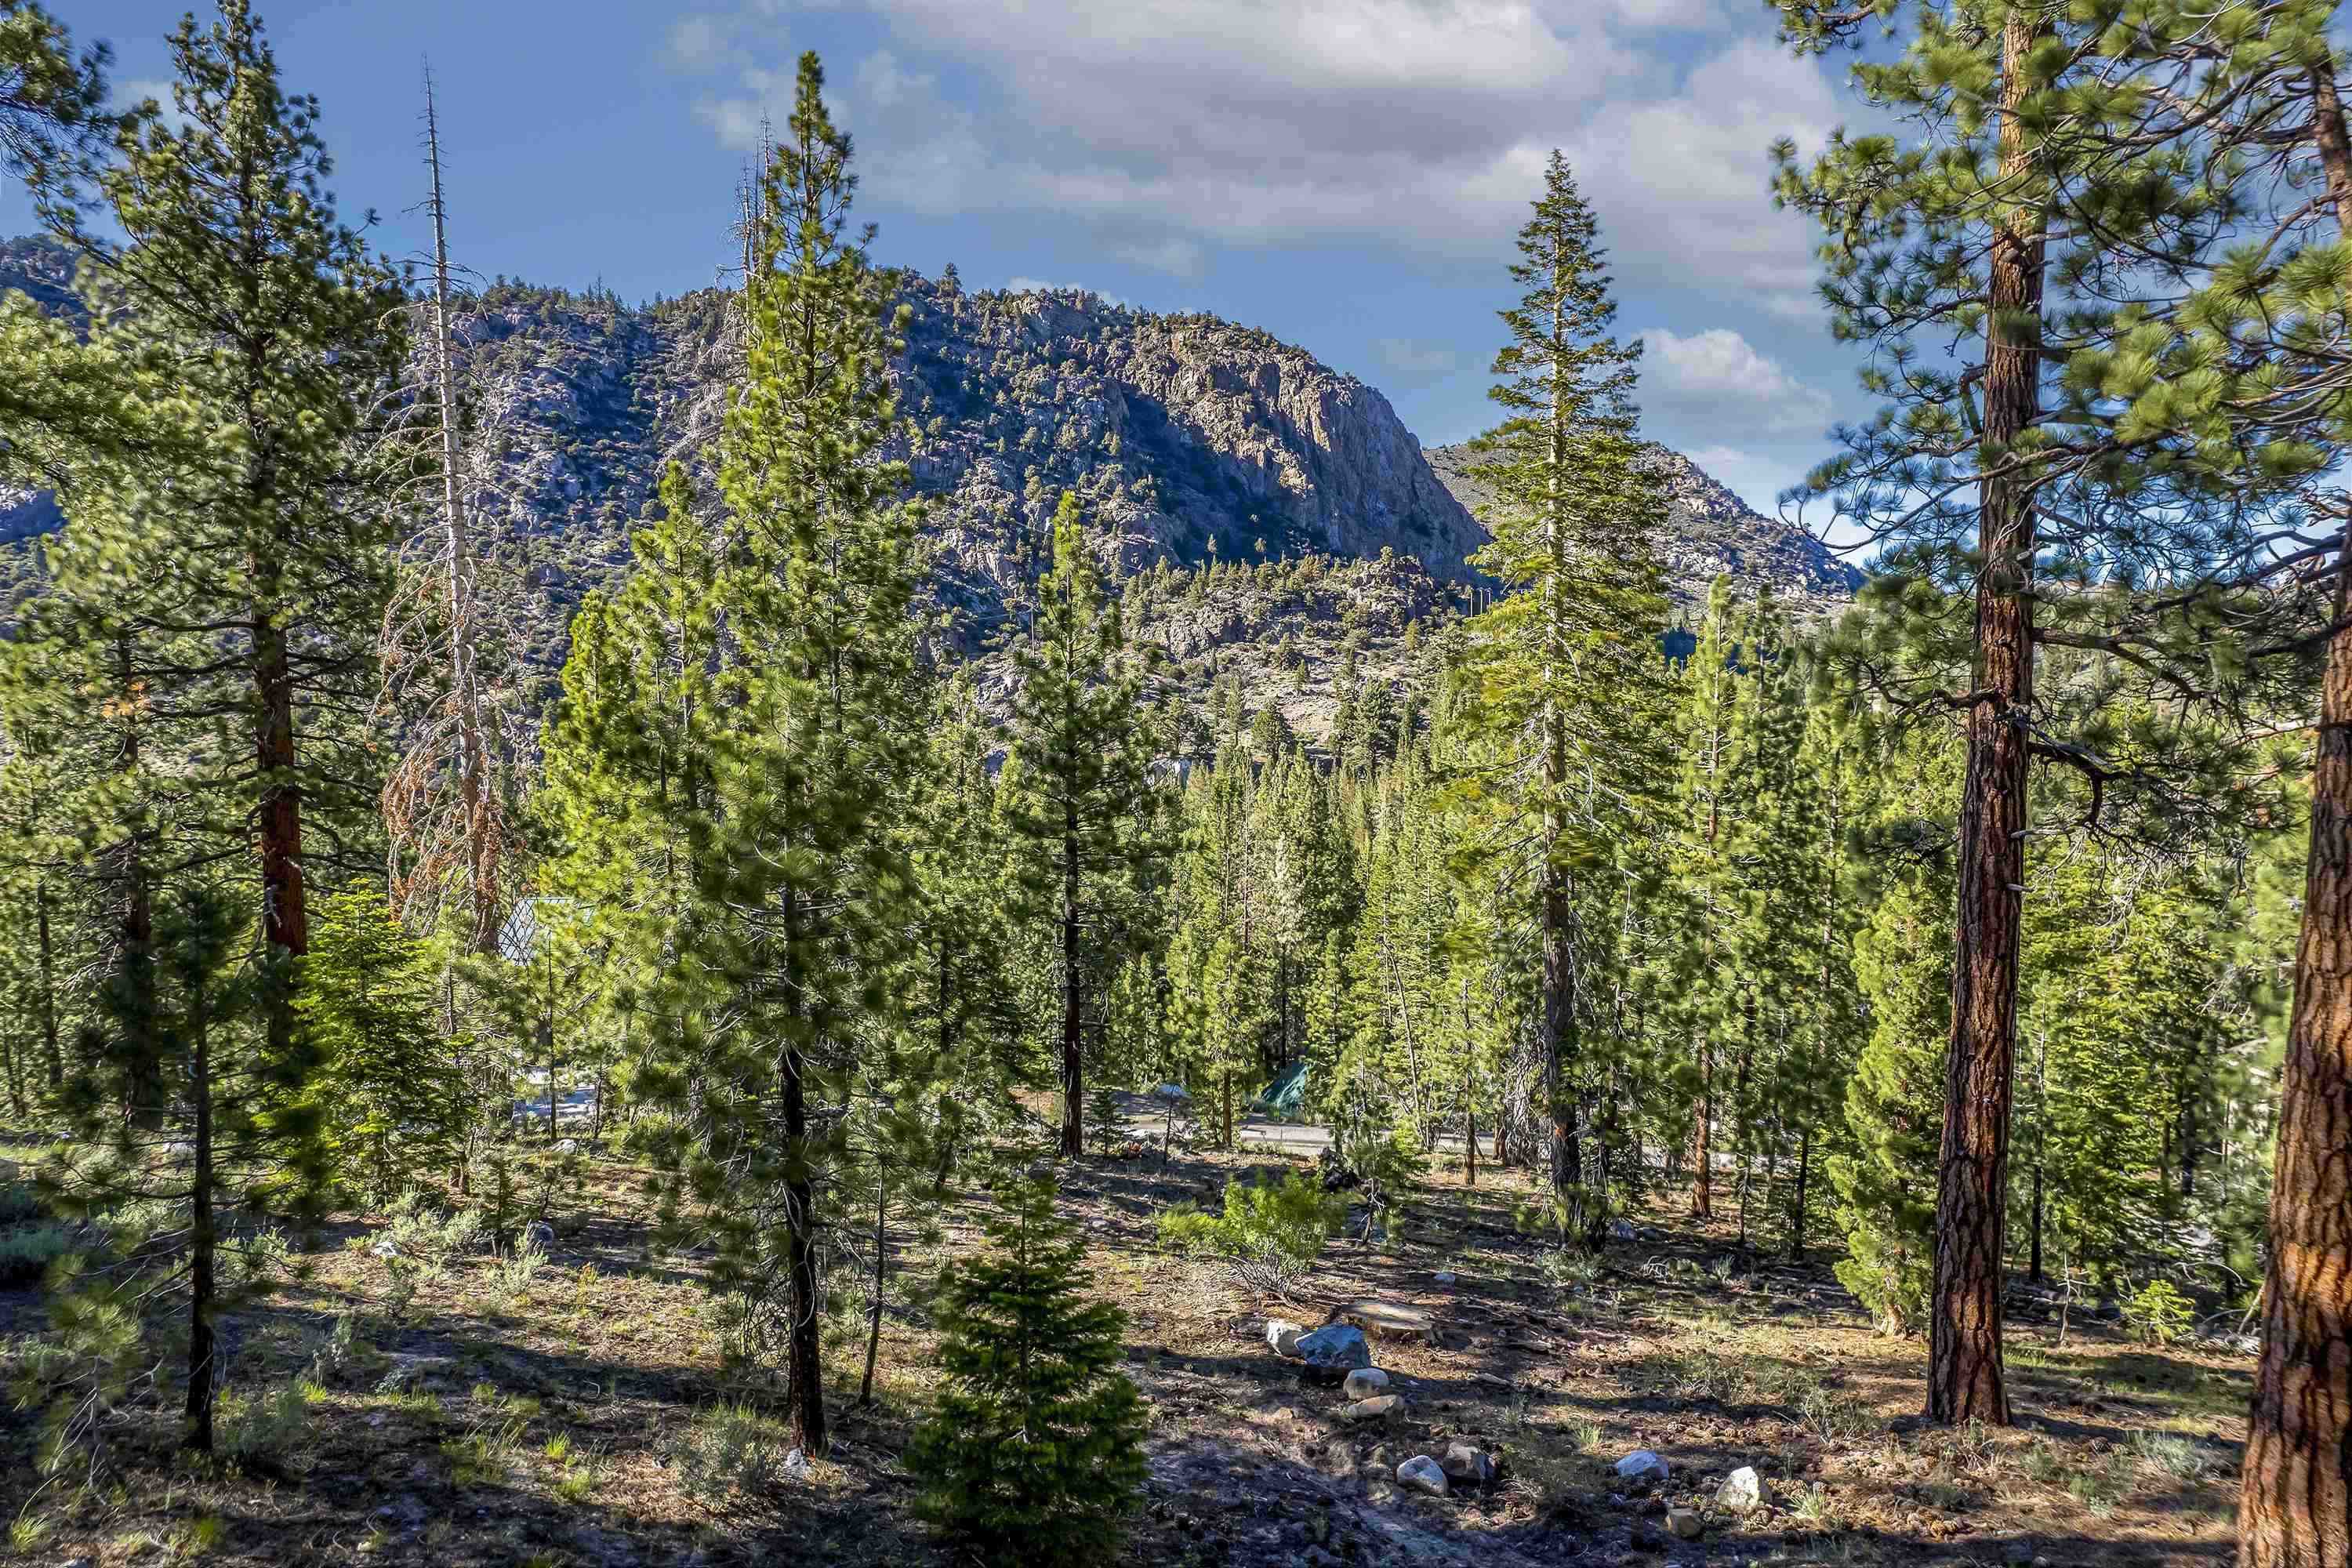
(1365, 1383)
(1469, 1462)
(1622, 1230)
(1686, 1523)
(1376, 1409)
(1422, 1474)
(1641, 1465)
(539, 1237)
(1282, 1336)
(1380, 1458)
(797, 1466)
(1445, 1276)
(1742, 1490)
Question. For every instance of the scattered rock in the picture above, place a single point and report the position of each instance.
(1380, 1458)
(1335, 1349)
(1622, 1230)
(539, 1237)
(1469, 1462)
(1365, 1383)
(1445, 1276)
(1422, 1474)
(1743, 1490)
(1375, 1409)
(1282, 1335)
(1686, 1523)
(568, 1146)
(1641, 1465)
(1389, 1317)
(797, 1466)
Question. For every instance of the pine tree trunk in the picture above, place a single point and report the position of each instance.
(134, 1008)
(805, 1390)
(1797, 1209)
(285, 919)
(1073, 1081)
(1702, 1203)
(2294, 1505)
(464, 680)
(48, 987)
(196, 1430)
(874, 1308)
(1965, 1381)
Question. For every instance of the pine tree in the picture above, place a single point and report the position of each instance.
(388, 1094)
(1566, 667)
(1081, 800)
(1035, 1452)
(53, 119)
(741, 716)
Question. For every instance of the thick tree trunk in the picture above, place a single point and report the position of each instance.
(2294, 1503)
(285, 917)
(196, 1428)
(1965, 1380)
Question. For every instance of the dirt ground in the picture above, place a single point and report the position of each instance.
(579, 1417)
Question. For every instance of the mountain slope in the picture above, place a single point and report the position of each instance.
(1708, 532)
(1191, 439)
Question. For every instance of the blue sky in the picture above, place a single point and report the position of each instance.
(1345, 174)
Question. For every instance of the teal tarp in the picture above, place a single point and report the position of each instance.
(1287, 1095)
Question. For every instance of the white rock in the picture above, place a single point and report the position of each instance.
(1641, 1465)
(1282, 1335)
(1335, 1349)
(1365, 1382)
(1743, 1490)
(797, 1466)
(1422, 1474)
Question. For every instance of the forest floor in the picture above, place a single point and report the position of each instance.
(580, 1417)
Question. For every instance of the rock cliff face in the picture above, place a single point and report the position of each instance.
(1709, 533)
(1190, 440)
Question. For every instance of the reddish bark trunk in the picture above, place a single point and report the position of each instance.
(1965, 1380)
(2295, 1504)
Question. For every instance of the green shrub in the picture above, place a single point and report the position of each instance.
(254, 1430)
(1036, 1451)
(28, 1250)
(1273, 1231)
(19, 1203)
(730, 1454)
(2160, 1314)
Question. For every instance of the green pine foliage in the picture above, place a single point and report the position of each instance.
(388, 1095)
(1034, 1454)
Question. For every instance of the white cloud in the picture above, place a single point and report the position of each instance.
(1172, 126)
(1715, 381)
(1177, 257)
(696, 43)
